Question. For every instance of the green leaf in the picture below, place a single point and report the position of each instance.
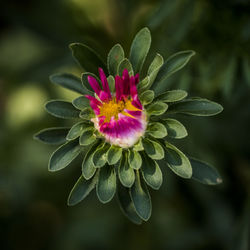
(172, 96)
(86, 57)
(88, 168)
(177, 161)
(157, 130)
(143, 85)
(126, 204)
(114, 154)
(86, 114)
(154, 69)
(81, 190)
(87, 137)
(157, 108)
(106, 185)
(155, 64)
(153, 149)
(111, 82)
(171, 65)
(100, 156)
(85, 82)
(139, 49)
(125, 64)
(138, 146)
(115, 56)
(147, 97)
(125, 172)
(77, 130)
(141, 198)
(64, 155)
(62, 109)
(175, 129)
(134, 159)
(151, 172)
(81, 102)
(196, 106)
(204, 173)
(68, 81)
(52, 135)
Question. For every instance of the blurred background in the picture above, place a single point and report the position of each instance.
(34, 38)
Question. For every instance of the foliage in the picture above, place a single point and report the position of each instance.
(136, 168)
(34, 36)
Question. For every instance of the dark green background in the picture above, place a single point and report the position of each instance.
(34, 38)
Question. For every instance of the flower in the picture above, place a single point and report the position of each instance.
(120, 116)
(123, 128)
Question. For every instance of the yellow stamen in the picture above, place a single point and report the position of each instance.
(113, 108)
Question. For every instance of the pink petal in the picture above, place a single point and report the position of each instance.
(137, 78)
(94, 84)
(103, 96)
(133, 113)
(136, 102)
(118, 87)
(133, 89)
(93, 99)
(104, 82)
(94, 107)
(126, 80)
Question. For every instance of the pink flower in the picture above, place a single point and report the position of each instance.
(120, 117)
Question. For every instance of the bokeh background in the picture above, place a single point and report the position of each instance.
(34, 38)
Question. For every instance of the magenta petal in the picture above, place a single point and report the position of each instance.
(126, 80)
(118, 87)
(93, 99)
(94, 107)
(109, 128)
(101, 120)
(94, 84)
(136, 102)
(103, 96)
(133, 89)
(125, 73)
(112, 127)
(104, 82)
(128, 125)
(137, 78)
(133, 113)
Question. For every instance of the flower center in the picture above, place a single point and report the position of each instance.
(113, 108)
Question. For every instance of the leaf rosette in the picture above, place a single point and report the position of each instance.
(124, 126)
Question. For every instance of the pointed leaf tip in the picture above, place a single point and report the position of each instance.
(81, 190)
(151, 172)
(175, 128)
(106, 184)
(141, 198)
(177, 161)
(64, 155)
(126, 204)
(52, 136)
(86, 57)
(173, 64)
(115, 56)
(196, 106)
(62, 109)
(68, 81)
(139, 49)
(125, 172)
(204, 173)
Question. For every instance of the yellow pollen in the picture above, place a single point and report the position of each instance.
(113, 108)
